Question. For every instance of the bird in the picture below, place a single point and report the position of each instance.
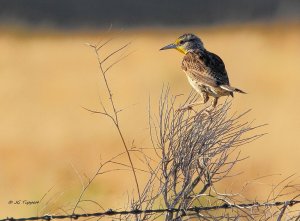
(205, 70)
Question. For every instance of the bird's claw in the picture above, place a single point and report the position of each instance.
(208, 111)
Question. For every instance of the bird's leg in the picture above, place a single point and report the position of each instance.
(212, 106)
(204, 97)
(214, 103)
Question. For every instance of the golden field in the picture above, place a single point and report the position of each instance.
(46, 77)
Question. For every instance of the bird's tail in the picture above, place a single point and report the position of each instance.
(232, 89)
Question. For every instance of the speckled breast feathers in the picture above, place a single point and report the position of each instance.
(206, 72)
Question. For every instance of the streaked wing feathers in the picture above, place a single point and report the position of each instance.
(207, 68)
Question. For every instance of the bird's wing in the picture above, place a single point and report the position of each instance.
(206, 67)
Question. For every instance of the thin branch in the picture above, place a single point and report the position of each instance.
(114, 52)
(114, 115)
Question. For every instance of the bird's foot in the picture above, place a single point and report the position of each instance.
(208, 111)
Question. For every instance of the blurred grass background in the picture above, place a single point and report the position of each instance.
(48, 74)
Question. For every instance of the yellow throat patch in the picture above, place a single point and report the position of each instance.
(179, 47)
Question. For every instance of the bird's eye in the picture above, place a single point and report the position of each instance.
(181, 42)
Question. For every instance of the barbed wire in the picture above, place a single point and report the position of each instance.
(111, 212)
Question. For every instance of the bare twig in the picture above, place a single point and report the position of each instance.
(114, 114)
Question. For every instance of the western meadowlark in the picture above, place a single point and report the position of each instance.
(205, 70)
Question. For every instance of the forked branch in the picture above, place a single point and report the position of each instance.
(113, 115)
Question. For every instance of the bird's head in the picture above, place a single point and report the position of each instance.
(186, 43)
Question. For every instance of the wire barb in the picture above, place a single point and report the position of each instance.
(188, 211)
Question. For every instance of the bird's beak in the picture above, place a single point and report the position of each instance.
(170, 46)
